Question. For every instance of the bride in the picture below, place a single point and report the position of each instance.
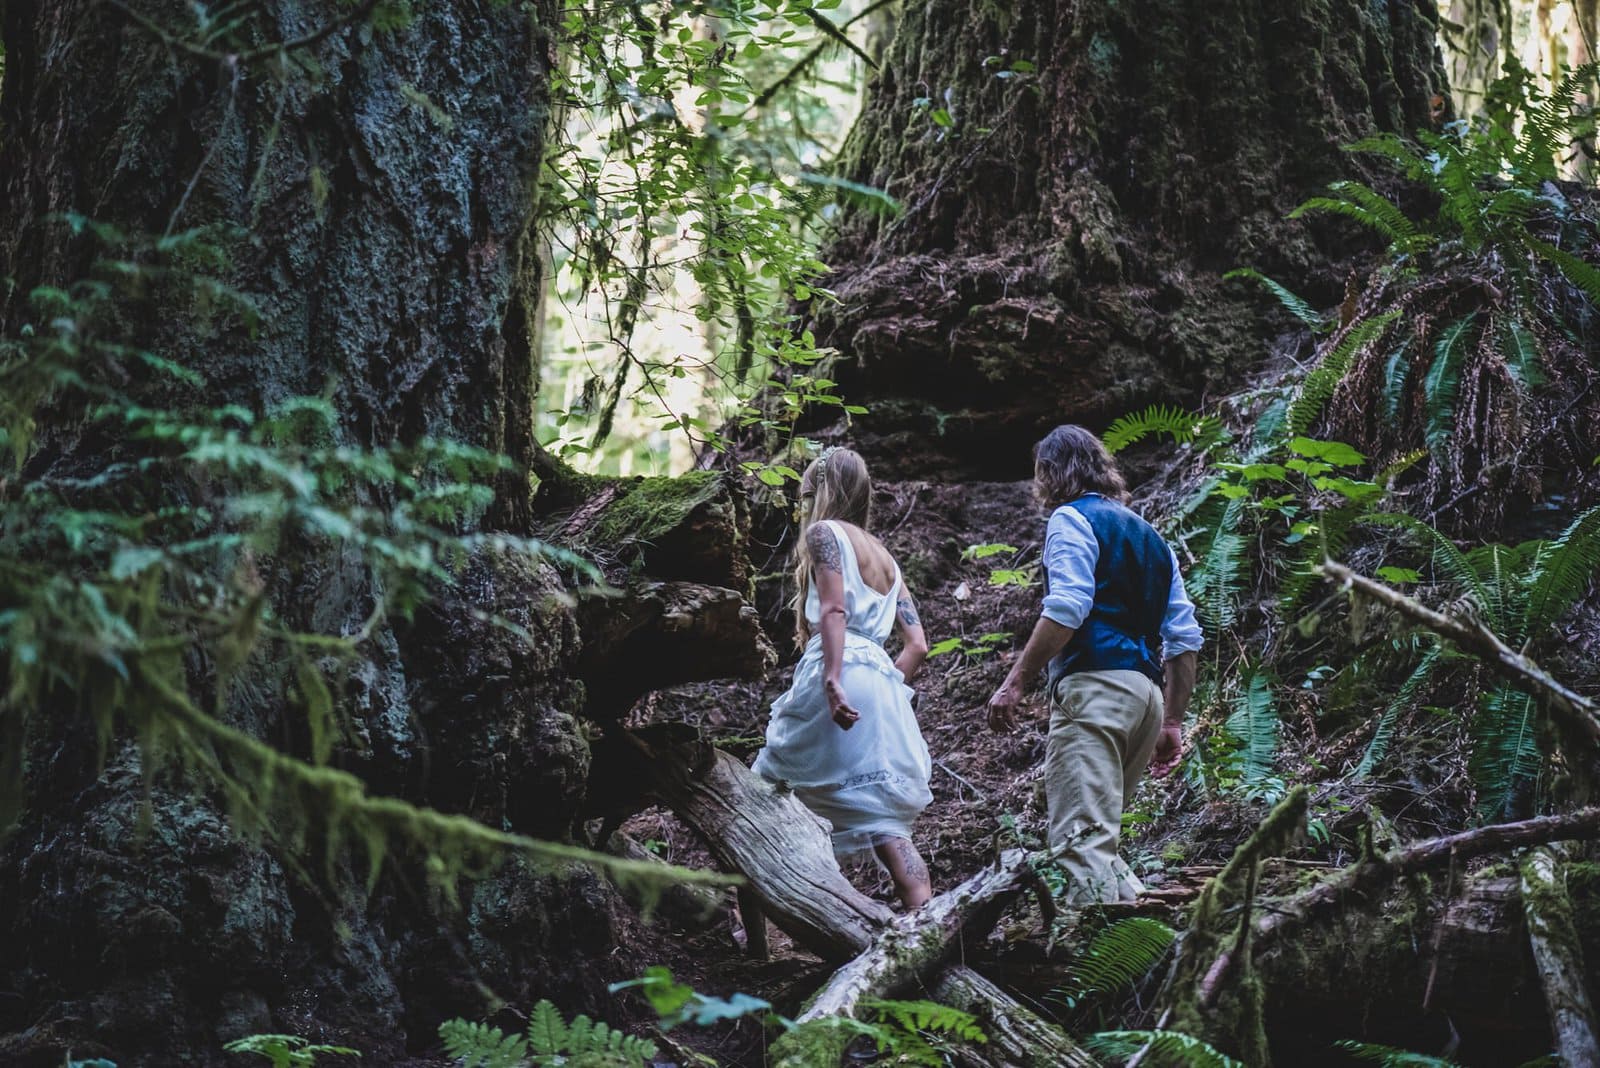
(844, 736)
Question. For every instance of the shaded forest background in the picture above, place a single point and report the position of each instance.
(332, 331)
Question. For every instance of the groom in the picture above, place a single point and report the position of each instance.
(1119, 636)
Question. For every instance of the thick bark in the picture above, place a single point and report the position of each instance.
(1075, 177)
(385, 181)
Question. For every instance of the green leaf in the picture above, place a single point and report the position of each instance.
(1442, 382)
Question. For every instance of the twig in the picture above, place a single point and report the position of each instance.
(1474, 637)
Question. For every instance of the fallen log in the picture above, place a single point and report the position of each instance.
(916, 943)
(1018, 1036)
(1559, 958)
(785, 854)
(1369, 875)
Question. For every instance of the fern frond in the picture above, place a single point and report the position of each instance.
(1549, 128)
(1503, 570)
(477, 1045)
(927, 1016)
(1117, 957)
(1161, 1049)
(1183, 427)
(1396, 373)
(1368, 207)
(1253, 726)
(1395, 149)
(1563, 572)
(1215, 585)
(1506, 759)
(1296, 305)
(1322, 380)
(1448, 559)
(1523, 354)
(1443, 381)
(547, 1031)
(1392, 1056)
(1404, 698)
(1584, 275)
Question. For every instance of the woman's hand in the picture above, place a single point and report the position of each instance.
(844, 715)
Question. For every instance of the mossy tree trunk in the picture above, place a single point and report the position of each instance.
(384, 182)
(1075, 176)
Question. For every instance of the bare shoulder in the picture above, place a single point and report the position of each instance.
(824, 547)
(876, 562)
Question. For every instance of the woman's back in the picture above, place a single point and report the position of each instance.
(870, 580)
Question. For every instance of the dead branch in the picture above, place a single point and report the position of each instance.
(1559, 958)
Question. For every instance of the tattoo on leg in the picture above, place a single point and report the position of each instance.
(911, 861)
(908, 611)
(824, 548)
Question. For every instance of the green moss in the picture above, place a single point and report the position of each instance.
(650, 507)
(814, 1044)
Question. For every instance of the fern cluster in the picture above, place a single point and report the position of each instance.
(1118, 956)
(549, 1040)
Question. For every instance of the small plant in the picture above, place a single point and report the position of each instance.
(1391, 1056)
(549, 1040)
(976, 649)
(1117, 957)
(284, 1051)
(1160, 1049)
(678, 1003)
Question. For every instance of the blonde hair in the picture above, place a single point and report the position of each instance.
(835, 486)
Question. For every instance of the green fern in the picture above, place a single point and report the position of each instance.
(1369, 208)
(1215, 585)
(927, 1016)
(1584, 275)
(1118, 956)
(1562, 572)
(1395, 149)
(284, 1051)
(549, 1041)
(1442, 383)
(1548, 129)
(477, 1045)
(1183, 427)
(1160, 1049)
(1321, 382)
(1404, 698)
(1392, 1056)
(1522, 352)
(1396, 373)
(1506, 758)
(1253, 728)
(1296, 305)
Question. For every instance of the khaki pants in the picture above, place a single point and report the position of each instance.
(1103, 728)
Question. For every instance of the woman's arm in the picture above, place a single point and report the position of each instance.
(827, 574)
(915, 649)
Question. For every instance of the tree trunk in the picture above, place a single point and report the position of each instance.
(385, 181)
(1075, 176)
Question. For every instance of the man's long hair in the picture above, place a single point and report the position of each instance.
(835, 486)
(1069, 462)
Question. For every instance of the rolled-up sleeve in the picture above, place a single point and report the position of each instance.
(1180, 631)
(1070, 555)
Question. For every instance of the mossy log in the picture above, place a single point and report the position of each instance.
(1559, 958)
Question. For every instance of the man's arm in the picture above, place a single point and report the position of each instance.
(1048, 639)
(1070, 554)
(1180, 644)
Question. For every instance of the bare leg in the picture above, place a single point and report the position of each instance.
(907, 869)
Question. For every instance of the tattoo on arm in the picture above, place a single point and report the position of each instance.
(907, 609)
(824, 549)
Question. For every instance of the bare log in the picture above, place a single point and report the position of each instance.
(1559, 958)
(783, 849)
(1018, 1037)
(786, 855)
(916, 944)
(1474, 637)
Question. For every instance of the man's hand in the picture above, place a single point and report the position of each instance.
(838, 706)
(1169, 748)
(1003, 707)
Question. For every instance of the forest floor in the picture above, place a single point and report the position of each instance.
(987, 789)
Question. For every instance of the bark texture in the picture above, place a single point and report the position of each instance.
(384, 181)
(1067, 218)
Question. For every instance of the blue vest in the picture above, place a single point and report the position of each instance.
(1132, 584)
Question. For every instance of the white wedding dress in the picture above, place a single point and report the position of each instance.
(871, 781)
